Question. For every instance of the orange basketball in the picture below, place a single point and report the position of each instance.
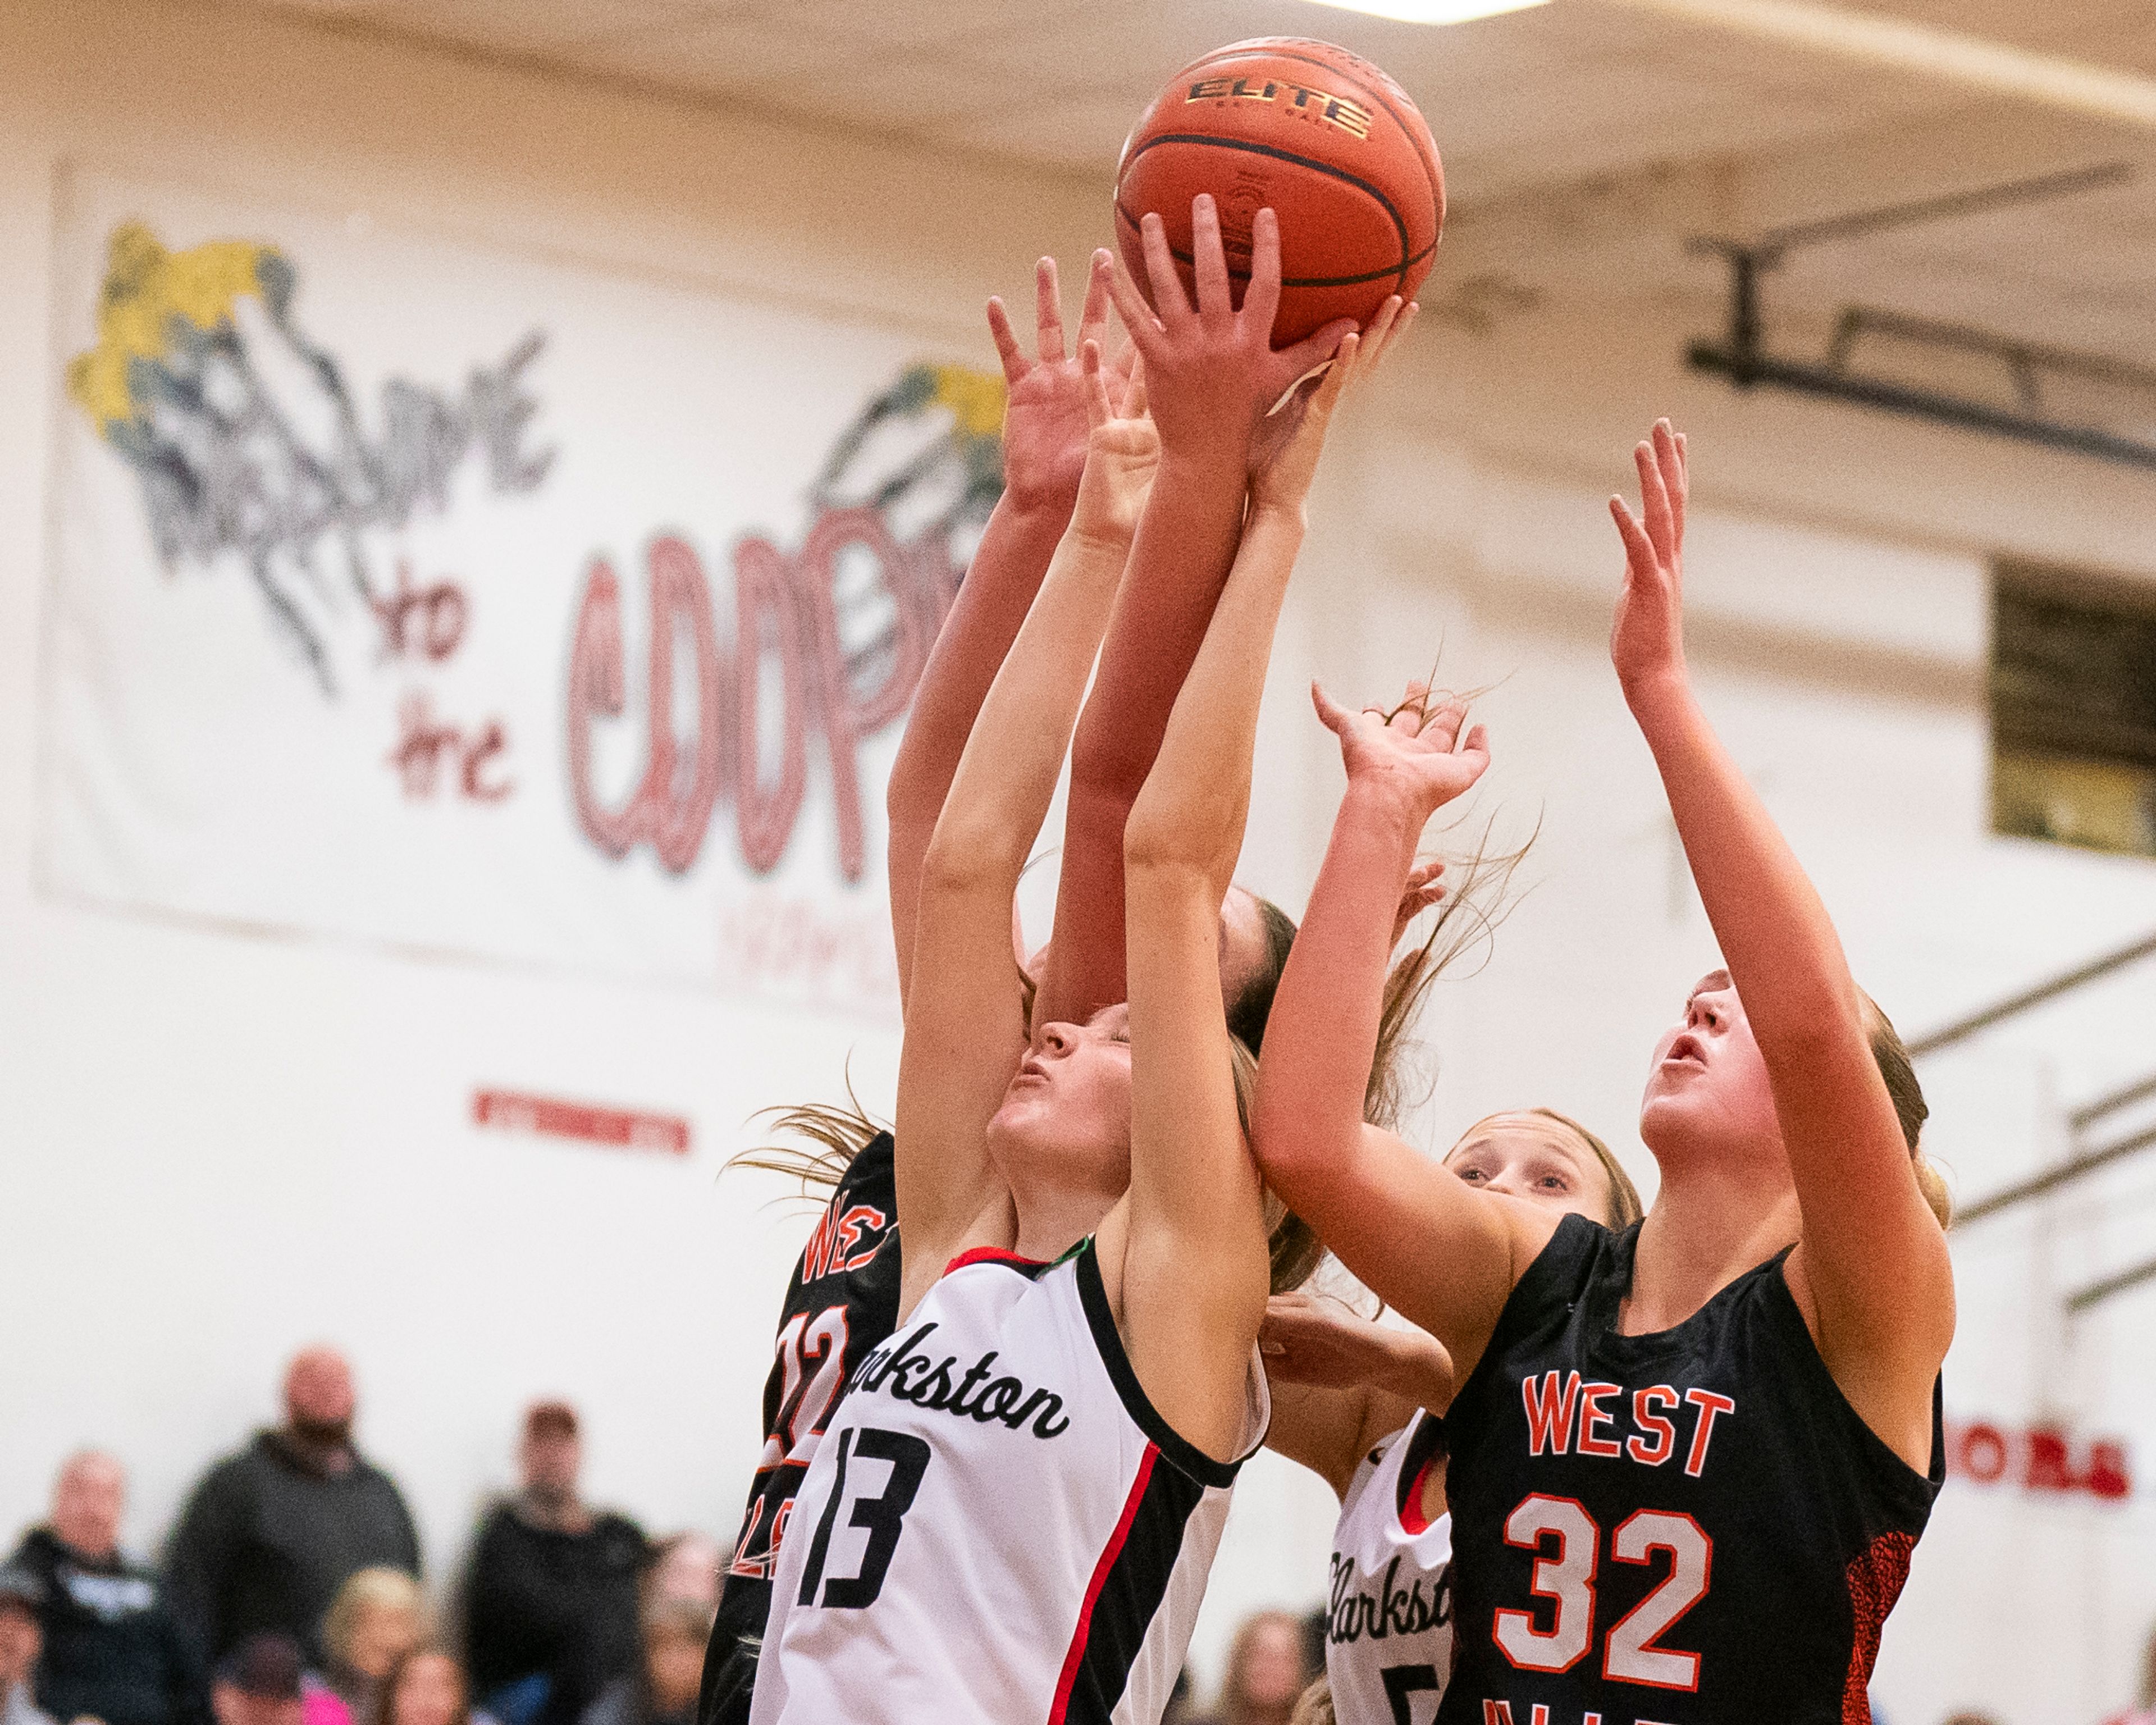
(1326, 140)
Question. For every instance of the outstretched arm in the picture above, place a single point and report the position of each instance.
(1872, 1256)
(1443, 1254)
(1212, 375)
(964, 1031)
(1044, 449)
(1189, 1269)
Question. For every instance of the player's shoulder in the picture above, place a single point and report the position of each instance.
(872, 1176)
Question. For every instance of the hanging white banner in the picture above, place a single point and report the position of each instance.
(418, 593)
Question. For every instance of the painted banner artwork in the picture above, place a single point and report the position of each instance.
(412, 592)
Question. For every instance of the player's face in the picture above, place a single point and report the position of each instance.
(1070, 1100)
(1528, 1157)
(1243, 948)
(1708, 1087)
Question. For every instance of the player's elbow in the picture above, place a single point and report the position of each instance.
(967, 856)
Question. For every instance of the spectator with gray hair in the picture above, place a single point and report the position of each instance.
(271, 1532)
(113, 1648)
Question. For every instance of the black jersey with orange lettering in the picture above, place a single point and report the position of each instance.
(1685, 1527)
(841, 1305)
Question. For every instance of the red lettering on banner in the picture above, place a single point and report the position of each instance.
(788, 642)
(424, 745)
(622, 1128)
(2040, 1458)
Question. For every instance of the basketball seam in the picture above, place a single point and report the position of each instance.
(1376, 95)
(1431, 172)
(1385, 202)
(1297, 282)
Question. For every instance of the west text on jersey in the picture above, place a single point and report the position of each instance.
(1590, 1418)
(899, 1370)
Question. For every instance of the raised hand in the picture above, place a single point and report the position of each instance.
(1416, 749)
(1045, 421)
(1122, 452)
(1646, 641)
(1284, 450)
(1212, 372)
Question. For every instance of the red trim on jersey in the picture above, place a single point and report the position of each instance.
(1412, 1519)
(1076, 1656)
(993, 1255)
(1875, 1575)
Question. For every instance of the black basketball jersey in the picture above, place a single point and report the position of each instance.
(841, 1305)
(1683, 1527)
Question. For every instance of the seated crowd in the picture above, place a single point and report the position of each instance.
(290, 1593)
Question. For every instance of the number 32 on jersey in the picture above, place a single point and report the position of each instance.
(1566, 1576)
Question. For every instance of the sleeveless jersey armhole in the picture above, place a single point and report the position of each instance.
(1186, 1456)
(1890, 1472)
(1554, 1277)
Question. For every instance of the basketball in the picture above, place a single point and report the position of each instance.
(1322, 138)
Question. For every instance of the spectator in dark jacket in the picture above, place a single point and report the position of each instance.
(550, 1599)
(270, 1533)
(113, 1648)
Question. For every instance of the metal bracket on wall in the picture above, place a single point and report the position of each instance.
(1742, 357)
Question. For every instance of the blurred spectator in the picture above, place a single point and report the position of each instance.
(685, 1566)
(662, 1691)
(1266, 1672)
(377, 1617)
(551, 1600)
(426, 1686)
(21, 1596)
(112, 1647)
(258, 1683)
(2143, 1710)
(270, 1533)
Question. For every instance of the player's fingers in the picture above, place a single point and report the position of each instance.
(1261, 297)
(1098, 410)
(1208, 259)
(1639, 549)
(1310, 352)
(1006, 340)
(1137, 317)
(1093, 314)
(1476, 748)
(1654, 502)
(1335, 717)
(1334, 384)
(1670, 459)
(1048, 311)
(1134, 391)
(1168, 301)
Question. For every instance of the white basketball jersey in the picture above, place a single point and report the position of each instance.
(998, 1528)
(1388, 1629)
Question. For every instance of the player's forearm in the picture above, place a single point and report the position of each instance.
(1007, 772)
(1179, 560)
(999, 588)
(1322, 1033)
(1774, 932)
(1197, 798)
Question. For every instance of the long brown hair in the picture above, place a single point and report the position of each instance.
(1911, 1109)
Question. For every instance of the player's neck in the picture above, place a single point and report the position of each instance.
(1708, 1226)
(1053, 1219)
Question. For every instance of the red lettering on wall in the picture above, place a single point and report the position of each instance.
(2044, 1458)
(623, 1128)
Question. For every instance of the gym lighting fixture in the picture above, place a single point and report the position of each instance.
(1433, 12)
